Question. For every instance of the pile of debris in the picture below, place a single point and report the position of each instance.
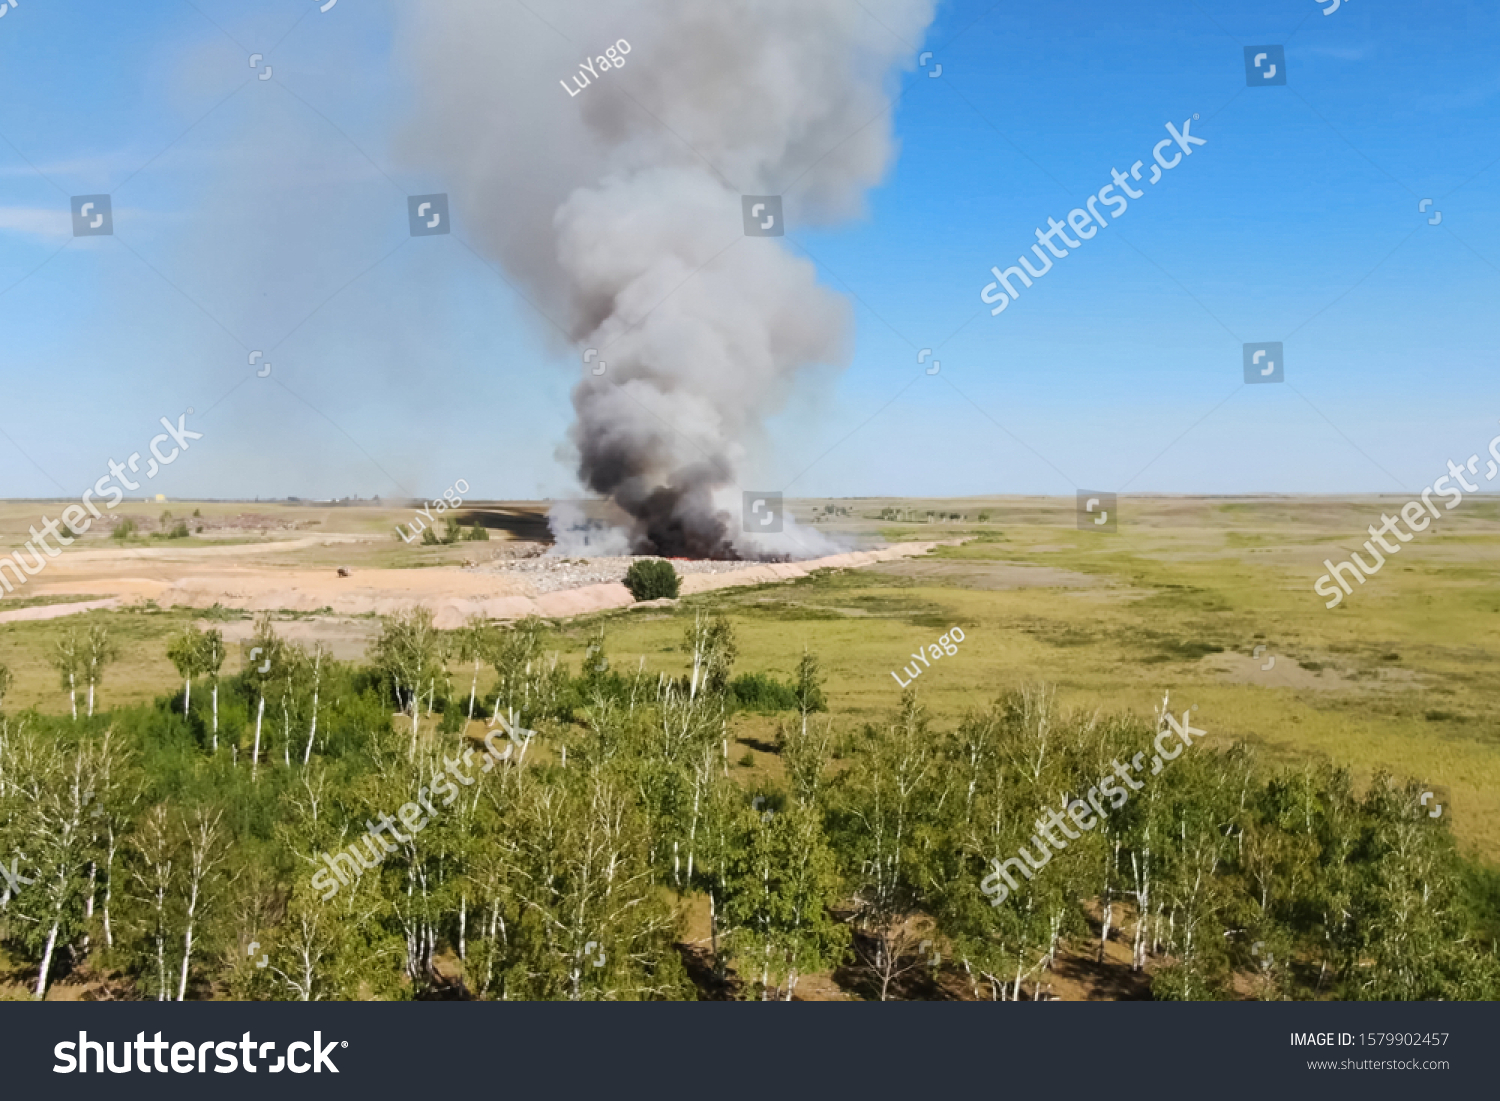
(547, 573)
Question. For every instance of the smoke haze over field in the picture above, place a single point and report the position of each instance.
(617, 211)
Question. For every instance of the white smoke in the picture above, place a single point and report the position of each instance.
(576, 535)
(618, 211)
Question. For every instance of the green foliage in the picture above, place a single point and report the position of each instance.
(409, 654)
(760, 692)
(534, 879)
(764, 693)
(710, 641)
(123, 530)
(452, 720)
(595, 661)
(186, 653)
(809, 686)
(478, 533)
(781, 888)
(652, 579)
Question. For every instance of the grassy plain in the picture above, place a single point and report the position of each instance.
(1401, 676)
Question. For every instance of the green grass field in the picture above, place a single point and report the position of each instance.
(1399, 676)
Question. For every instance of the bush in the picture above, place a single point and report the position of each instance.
(652, 578)
(454, 719)
(478, 534)
(179, 532)
(759, 692)
(124, 530)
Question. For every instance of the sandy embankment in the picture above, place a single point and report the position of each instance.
(453, 594)
(56, 611)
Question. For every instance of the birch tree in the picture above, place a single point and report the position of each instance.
(781, 887)
(210, 661)
(265, 656)
(68, 659)
(99, 652)
(476, 644)
(156, 872)
(320, 654)
(60, 848)
(709, 641)
(892, 787)
(186, 655)
(409, 652)
(203, 852)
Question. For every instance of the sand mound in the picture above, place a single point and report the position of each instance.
(556, 589)
(454, 595)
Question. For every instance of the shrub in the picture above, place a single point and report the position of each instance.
(180, 531)
(124, 530)
(759, 692)
(453, 719)
(652, 578)
(748, 760)
(807, 691)
(478, 534)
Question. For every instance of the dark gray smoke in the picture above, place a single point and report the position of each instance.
(618, 210)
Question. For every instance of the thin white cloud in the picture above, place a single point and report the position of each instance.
(47, 223)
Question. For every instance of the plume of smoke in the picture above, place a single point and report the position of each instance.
(575, 535)
(618, 212)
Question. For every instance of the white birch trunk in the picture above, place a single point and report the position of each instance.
(41, 979)
(313, 730)
(255, 753)
(109, 880)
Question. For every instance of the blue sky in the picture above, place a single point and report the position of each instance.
(271, 215)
